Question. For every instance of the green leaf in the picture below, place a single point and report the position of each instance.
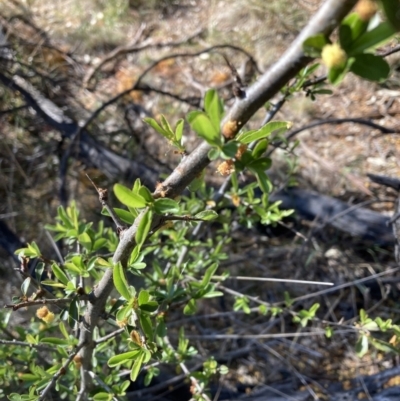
(143, 297)
(143, 228)
(203, 126)
(208, 274)
(120, 281)
(52, 283)
(213, 107)
(25, 285)
(54, 341)
(229, 149)
(313, 46)
(153, 123)
(85, 240)
(147, 327)
(59, 273)
(371, 67)
(63, 330)
(336, 75)
(123, 214)
(190, 308)
(392, 12)
(167, 128)
(362, 346)
(146, 194)
(128, 198)
(103, 397)
(263, 132)
(351, 28)
(137, 365)
(122, 358)
(150, 306)
(260, 164)
(179, 129)
(371, 39)
(264, 182)
(166, 205)
(260, 148)
(206, 215)
(73, 314)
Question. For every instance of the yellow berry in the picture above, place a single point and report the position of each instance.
(366, 9)
(333, 56)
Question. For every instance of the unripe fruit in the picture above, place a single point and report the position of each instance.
(333, 56)
(366, 9)
(44, 314)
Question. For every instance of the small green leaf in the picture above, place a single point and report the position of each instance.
(371, 39)
(208, 274)
(179, 129)
(143, 228)
(122, 358)
(336, 75)
(63, 330)
(146, 194)
(264, 182)
(146, 325)
(30, 339)
(120, 281)
(59, 273)
(351, 28)
(73, 313)
(213, 107)
(153, 123)
(362, 346)
(137, 365)
(229, 149)
(166, 205)
(190, 308)
(54, 341)
(314, 44)
(265, 131)
(203, 126)
(206, 215)
(143, 297)
(371, 67)
(25, 285)
(103, 397)
(85, 240)
(123, 214)
(128, 198)
(260, 148)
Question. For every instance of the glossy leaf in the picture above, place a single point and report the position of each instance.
(166, 205)
(122, 358)
(190, 308)
(314, 44)
(213, 107)
(207, 215)
(137, 365)
(128, 198)
(120, 281)
(265, 131)
(372, 38)
(59, 273)
(143, 228)
(371, 67)
(203, 126)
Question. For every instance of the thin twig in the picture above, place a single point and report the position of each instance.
(60, 372)
(26, 344)
(24, 304)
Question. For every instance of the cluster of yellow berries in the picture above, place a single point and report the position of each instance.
(44, 314)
